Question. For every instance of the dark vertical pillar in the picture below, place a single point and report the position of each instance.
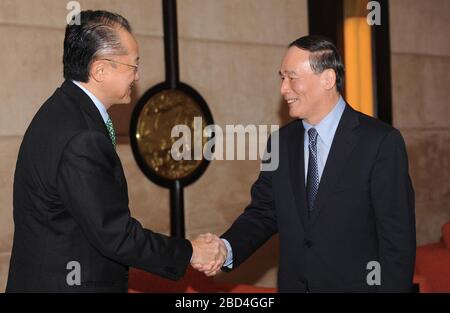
(177, 210)
(382, 65)
(172, 78)
(326, 18)
(171, 42)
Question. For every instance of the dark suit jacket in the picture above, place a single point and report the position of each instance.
(364, 211)
(71, 204)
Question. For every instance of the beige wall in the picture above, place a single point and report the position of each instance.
(420, 84)
(230, 51)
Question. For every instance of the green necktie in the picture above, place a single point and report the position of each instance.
(111, 132)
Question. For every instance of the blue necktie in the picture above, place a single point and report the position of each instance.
(312, 180)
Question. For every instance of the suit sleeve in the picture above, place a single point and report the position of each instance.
(258, 222)
(98, 201)
(392, 196)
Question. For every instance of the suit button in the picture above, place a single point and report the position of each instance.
(308, 243)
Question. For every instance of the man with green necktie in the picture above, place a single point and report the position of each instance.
(73, 229)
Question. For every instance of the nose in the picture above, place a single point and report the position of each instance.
(285, 87)
(136, 76)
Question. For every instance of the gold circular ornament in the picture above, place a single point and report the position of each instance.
(163, 157)
(160, 114)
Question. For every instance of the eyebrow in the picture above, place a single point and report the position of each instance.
(137, 59)
(287, 73)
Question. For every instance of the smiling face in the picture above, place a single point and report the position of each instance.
(306, 93)
(120, 75)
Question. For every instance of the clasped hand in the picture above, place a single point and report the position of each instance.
(209, 254)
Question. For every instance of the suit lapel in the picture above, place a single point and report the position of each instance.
(297, 170)
(343, 143)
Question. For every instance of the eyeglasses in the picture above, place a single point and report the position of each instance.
(135, 67)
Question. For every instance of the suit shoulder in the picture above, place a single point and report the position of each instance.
(283, 133)
(71, 112)
(60, 110)
(374, 125)
(292, 126)
(56, 121)
(378, 131)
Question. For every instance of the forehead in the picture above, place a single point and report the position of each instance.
(128, 41)
(295, 60)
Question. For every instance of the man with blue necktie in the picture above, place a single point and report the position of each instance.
(341, 198)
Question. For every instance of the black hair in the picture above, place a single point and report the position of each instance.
(324, 55)
(95, 35)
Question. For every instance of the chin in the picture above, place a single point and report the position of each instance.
(295, 114)
(125, 100)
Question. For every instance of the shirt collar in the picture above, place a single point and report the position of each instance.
(328, 125)
(101, 108)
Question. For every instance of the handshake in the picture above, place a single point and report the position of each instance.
(209, 254)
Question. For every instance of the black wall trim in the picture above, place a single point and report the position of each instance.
(382, 60)
(326, 18)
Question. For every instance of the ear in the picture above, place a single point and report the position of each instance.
(328, 79)
(98, 71)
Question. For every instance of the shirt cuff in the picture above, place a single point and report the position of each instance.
(229, 260)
